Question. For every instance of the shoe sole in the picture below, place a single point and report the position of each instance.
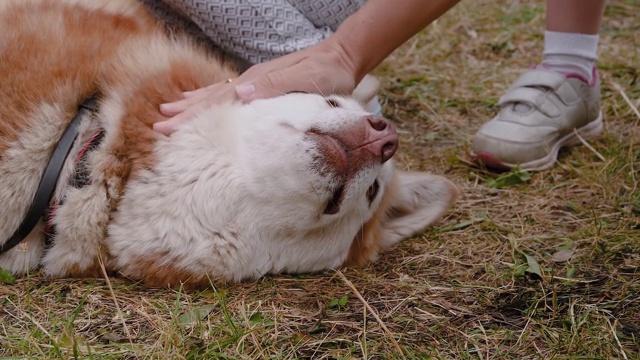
(589, 131)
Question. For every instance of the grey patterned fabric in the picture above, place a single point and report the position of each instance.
(327, 13)
(256, 30)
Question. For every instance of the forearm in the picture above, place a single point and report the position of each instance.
(371, 34)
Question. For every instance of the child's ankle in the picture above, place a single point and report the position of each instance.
(571, 54)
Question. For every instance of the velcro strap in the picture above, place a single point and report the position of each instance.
(534, 97)
(544, 78)
(548, 79)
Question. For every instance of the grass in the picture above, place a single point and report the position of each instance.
(526, 266)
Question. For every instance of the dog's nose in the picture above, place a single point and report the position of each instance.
(381, 137)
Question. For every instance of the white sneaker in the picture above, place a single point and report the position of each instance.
(538, 116)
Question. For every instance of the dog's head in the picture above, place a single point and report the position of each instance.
(297, 183)
(315, 164)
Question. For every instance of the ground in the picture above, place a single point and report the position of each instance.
(525, 266)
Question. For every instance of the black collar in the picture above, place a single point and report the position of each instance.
(50, 177)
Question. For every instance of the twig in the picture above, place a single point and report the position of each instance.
(429, 314)
(486, 340)
(634, 108)
(364, 333)
(615, 336)
(626, 99)
(373, 313)
(115, 301)
(585, 143)
(33, 320)
(526, 325)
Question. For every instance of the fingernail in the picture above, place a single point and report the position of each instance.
(167, 109)
(159, 127)
(245, 91)
(164, 128)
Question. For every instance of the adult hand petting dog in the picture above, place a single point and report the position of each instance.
(323, 69)
(333, 66)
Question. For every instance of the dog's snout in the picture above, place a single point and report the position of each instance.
(368, 140)
(378, 123)
(382, 138)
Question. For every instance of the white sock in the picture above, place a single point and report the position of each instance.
(570, 53)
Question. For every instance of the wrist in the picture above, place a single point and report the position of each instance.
(362, 41)
(344, 58)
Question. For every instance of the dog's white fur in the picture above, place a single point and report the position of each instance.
(237, 193)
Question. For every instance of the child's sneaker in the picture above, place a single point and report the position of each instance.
(538, 116)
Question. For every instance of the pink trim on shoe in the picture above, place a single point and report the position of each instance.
(490, 160)
(594, 75)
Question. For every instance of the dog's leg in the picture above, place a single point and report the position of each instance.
(80, 229)
(26, 255)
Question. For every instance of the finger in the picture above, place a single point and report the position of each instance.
(190, 98)
(195, 97)
(169, 126)
(189, 108)
(192, 107)
(172, 109)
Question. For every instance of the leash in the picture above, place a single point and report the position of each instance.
(49, 179)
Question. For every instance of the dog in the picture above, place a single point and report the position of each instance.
(299, 183)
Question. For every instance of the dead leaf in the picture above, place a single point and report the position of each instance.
(534, 267)
(563, 255)
(196, 315)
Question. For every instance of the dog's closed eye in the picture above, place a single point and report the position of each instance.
(333, 103)
(372, 192)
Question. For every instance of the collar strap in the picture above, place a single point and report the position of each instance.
(50, 177)
(82, 174)
(80, 179)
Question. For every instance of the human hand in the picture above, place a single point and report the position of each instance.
(323, 69)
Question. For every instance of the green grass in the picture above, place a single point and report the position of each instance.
(465, 289)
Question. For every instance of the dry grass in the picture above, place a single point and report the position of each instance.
(458, 291)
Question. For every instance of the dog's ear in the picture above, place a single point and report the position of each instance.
(414, 201)
(366, 89)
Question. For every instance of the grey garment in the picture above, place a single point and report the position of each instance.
(327, 13)
(257, 30)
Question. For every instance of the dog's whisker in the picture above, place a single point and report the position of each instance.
(319, 89)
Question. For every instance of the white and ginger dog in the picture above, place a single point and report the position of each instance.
(297, 183)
